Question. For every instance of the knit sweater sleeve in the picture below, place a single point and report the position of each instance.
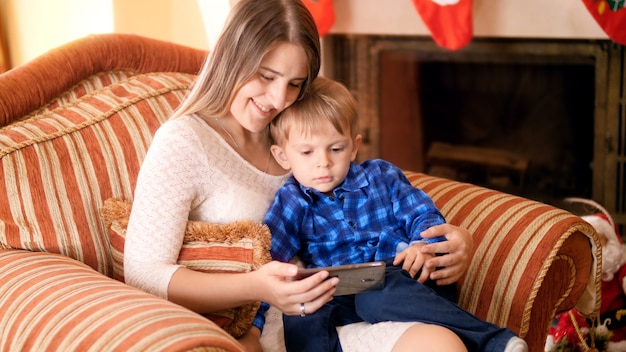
(189, 173)
(163, 196)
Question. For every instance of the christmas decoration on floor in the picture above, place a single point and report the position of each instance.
(611, 16)
(449, 21)
(571, 330)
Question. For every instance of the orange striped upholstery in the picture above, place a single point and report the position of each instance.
(57, 165)
(60, 161)
(530, 261)
(53, 303)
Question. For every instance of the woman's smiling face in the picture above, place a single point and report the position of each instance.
(275, 86)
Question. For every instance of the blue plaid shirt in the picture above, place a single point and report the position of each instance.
(374, 214)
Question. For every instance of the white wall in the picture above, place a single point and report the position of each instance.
(178, 21)
(35, 26)
(491, 18)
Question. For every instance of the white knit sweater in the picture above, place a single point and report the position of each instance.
(189, 173)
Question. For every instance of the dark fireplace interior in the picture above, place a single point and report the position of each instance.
(539, 111)
(540, 118)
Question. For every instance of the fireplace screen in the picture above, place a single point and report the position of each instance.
(521, 126)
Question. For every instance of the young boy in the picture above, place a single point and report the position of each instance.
(333, 211)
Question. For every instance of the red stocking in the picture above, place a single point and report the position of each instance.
(611, 16)
(449, 21)
(323, 12)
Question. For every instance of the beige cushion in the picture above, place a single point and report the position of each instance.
(237, 247)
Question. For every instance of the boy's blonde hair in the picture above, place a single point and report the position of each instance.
(253, 29)
(326, 101)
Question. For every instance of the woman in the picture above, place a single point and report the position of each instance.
(211, 162)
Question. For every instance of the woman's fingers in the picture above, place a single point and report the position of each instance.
(289, 293)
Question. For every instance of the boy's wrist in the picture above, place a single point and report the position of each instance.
(420, 242)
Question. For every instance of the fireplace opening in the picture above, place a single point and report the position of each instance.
(541, 118)
(522, 124)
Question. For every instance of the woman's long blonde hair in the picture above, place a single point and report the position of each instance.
(252, 29)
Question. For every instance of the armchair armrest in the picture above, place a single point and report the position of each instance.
(49, 302)
(531, 260)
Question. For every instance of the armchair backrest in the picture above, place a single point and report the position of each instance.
(74, 132)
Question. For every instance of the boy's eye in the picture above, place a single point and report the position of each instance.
(337, 149)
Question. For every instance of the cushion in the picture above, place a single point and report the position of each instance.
(237, 247)
(58, 164)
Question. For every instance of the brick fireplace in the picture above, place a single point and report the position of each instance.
(558, 105)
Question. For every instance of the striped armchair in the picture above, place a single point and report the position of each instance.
(75, 124)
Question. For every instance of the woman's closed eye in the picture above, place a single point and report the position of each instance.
(293, 84)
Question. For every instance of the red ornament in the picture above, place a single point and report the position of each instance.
(323, 12)
(565, 328)
(449, 21)
(611, 16)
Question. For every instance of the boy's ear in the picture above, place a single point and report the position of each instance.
(280, 156)
(355, 146)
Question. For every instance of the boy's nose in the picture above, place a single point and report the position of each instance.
(324, 160)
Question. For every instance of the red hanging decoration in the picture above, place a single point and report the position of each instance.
(449, 21)
(323, 12)
(611, 16)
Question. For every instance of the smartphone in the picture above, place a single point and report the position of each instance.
(353, 278)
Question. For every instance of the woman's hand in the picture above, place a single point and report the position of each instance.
(456, 253)
(276, 285)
